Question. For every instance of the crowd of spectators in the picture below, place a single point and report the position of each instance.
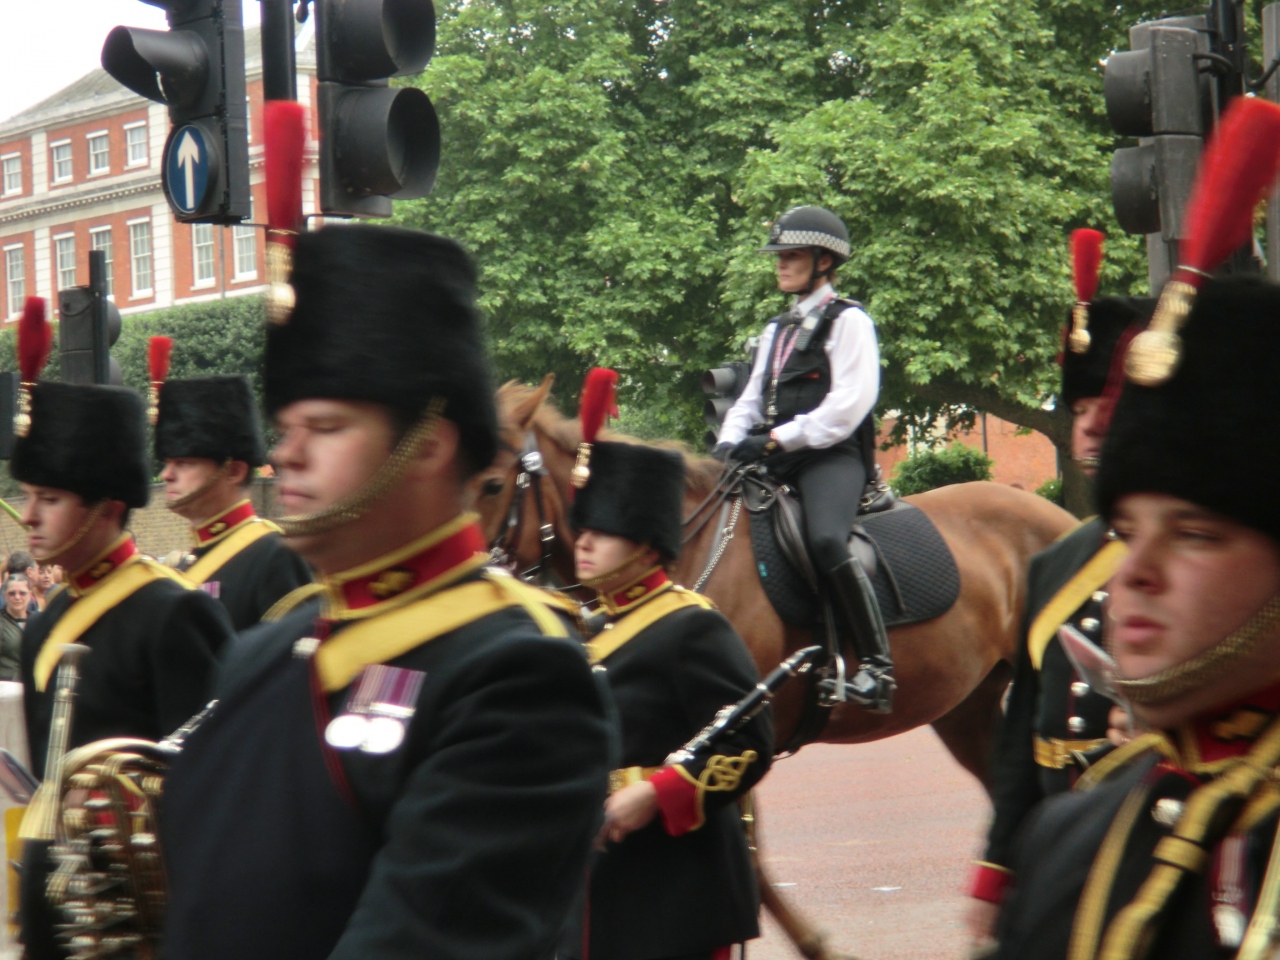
(24, 591)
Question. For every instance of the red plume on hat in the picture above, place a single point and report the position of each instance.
(1086, 261)
(35, 340)
(284, 127)
(159, 350)
(598, 393)
(1238, 166)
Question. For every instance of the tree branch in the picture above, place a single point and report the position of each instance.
(1054, 424)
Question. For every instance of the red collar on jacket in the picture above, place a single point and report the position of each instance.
(103, 565)
(219, 526)
(641, 590)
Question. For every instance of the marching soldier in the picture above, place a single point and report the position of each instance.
(410, 764)
(1053, 719)
(675, 878)
(208, 436)
(80, 456)
(807, 411)
(1167, 847)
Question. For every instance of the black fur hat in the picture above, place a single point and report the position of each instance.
(214, 418)
(1208, 434)
(385, 315)
(634, 491)
(91, 440)
(1085, 374)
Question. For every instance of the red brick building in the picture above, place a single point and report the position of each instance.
(80, 171)
(1022, 459)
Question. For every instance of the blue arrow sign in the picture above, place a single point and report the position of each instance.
(186, 168)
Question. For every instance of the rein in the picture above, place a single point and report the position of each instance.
(502, 550)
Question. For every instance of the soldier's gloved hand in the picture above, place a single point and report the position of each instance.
(722, 451)
(754, 448)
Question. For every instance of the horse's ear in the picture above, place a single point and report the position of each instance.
(524, 412)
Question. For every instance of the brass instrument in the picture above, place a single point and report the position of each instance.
(98, 806)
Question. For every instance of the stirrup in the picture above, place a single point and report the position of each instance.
(873, 686)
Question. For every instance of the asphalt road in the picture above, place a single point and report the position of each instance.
(873, 842)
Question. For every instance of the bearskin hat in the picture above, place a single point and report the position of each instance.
(634, 491)
(214, 418)
(385, 315)
(1204, 435)
(91, 440)
(1085, 374)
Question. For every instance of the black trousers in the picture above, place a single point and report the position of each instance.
(830, 486)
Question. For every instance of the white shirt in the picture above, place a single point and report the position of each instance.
(855, 383)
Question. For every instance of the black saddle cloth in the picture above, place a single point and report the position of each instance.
(910, 565)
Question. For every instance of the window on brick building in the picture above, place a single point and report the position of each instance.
(12, 174)
(135, 137)
(202, 253)
(15, 279)
(100, 239)
(64, 256)
(140, 256)
(245, 242)
(61, 153)
(99, 153)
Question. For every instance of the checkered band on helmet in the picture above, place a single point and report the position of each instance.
(810, 227)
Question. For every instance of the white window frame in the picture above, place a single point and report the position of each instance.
(129, 161)
(60, 246)
(14, 302)
(109, 247)
(197, 281)
(5, 160)
(88, 139)
(53, 162)
(138, 292)
(241, 233)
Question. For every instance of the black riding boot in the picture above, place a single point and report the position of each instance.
(873, 684)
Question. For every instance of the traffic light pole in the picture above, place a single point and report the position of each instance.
(98, 287)
(279, 64)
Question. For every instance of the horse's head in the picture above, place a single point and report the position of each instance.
(494, 488)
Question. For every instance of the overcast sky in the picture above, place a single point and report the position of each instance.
(47, 44)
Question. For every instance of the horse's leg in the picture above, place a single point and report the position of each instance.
(969, 729)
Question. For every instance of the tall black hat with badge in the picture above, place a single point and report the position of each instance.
(370, 313)
(1098, 324)
(625, 489)
(1196, 418)
(210, 418)
(90, 440)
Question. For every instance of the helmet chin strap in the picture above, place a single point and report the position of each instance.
(814, 276)
(1165, 685)
(89, 521)
(188, 498)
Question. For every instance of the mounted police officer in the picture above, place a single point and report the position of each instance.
(1054, 721)
(807, 412)
(675, 876)
(209, 439)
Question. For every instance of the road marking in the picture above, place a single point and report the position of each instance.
(885, 889)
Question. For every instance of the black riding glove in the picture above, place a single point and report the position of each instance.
(754, 448)
(722, 451)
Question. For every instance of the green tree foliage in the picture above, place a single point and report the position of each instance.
(213, 337)
(614, 166)
(926, 469)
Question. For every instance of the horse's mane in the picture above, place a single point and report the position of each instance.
(701, 473)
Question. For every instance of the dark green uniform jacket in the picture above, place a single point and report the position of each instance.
(250, 580)
(152, 656)
(1048, 702)
(463, 837)
(1084, 857)
(684, 884)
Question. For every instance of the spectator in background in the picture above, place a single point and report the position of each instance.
(13, 619)
(50, 575)
(21, 564)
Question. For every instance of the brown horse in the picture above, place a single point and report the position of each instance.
(951, 671)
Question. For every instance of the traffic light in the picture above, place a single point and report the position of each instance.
(724, 385)
(377, 144)
(88, 325)
(197, 69)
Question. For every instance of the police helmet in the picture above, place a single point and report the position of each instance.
(807, 228)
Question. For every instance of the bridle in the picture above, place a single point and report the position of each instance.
(503, 548)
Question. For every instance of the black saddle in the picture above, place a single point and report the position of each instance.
(906, 559)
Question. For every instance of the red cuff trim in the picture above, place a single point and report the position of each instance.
(679, 800)
(989, 882)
